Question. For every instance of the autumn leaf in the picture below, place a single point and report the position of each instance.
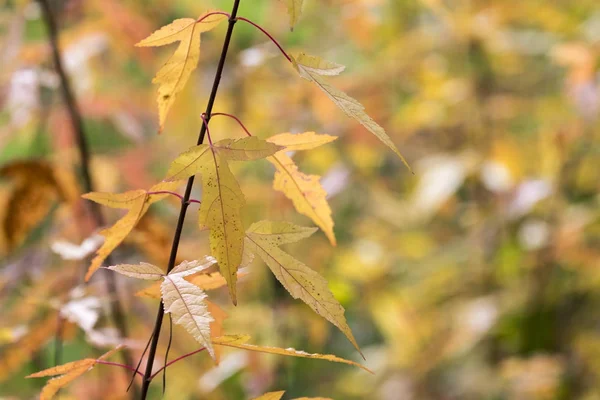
(301, 141)
(305, 191)
(185, 302)
(68, 372)
(264, 238)
(173, 76)
(271, 396)
(295, 11)
(235, 341)
(36, 187)
(140, 271)
(204, 281)
(312, 68)
(137, 203)
(222, 198)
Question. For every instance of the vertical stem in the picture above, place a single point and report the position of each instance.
(186, 197)
(84, 152)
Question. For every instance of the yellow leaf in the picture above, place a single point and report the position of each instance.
(246, 149)
(191, 267)
(299, 280)
(223, 341)
(271, 396)
(68, 372)
(222, 198)
(229, 339)
(116, 200)
(317, 65)
(305, 191)
(312, 71)
(204, 281)
(294, 10)
(140, 271)
(301, 141)
(137, 203)
(186, 304)
(173, 76)
(220, 211)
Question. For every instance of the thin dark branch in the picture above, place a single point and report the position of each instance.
(167, 354)
(186, 197)
(84, 153)
(235, 118)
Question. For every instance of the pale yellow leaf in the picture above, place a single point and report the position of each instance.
(125, 200)
(301, 141)
(174, 32)
(245, 149)
(220, 211)
(137, 203)
(204, 281)
(229, 339)
(271, 396)
(295, 11)
(189, 163)
(318, 65)
(305, 191)
(299, 280)
(140, 271)
(278, 233)
(286, 352)
(117, 233)
(350, 106)
(186, 304)
(173, 76)
(191, 267)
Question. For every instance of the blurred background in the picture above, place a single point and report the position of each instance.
(476, 278)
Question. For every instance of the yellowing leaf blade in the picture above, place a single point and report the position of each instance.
(350, 106)
(245, 149)
(318, 66)
(289, 352)
(222, 201)
(279, 232)
(140, 271)
(116, 200)
(189, 163)
(271, 396)
(305, 191)
(64, 368)
(302, 283)
(186, 304)
(117, 233)
(301, 141)
(191, 267)
(171, 33)
(295, 11)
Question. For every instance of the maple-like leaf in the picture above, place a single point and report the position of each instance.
(173, 76)
(137, 203)
(305, 191)
(271, 396)
(295, 11)
(312, 68)
(238, 341)
(67, 373)
(264, 238)
(185, 302)
(204, 281)
(140, 271)
(222, 198)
